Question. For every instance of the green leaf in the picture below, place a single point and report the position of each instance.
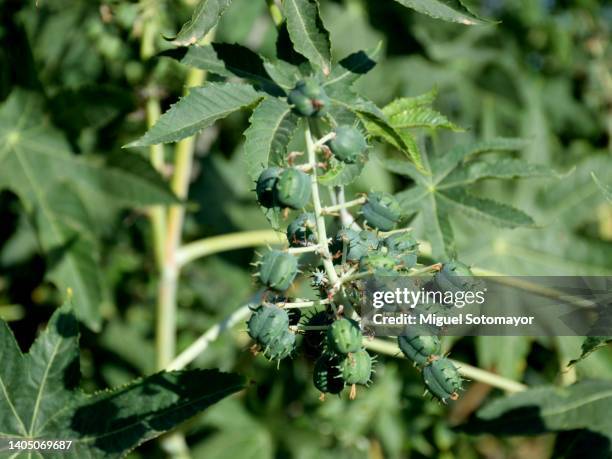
(486, 209)
(283, 73)
(379, 127)
(504, 168)
(40, 400)
(197, 110)
(272, 126)
(590, 345)
(73, 255)
(204, 18)
(417, 112)
(442, 191)
(584, 405)
(36, 163)
(227, 60)
(447, 10)
(444, 164)
(353, 67)
(307, 32)
(605, 189)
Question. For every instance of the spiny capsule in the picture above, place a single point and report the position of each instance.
(293, 189)
(356, 368)
(442, 379)
(402, 247)
(277, 270)
(377, 263)
(326, 375)
(300, 232)
(348, 145)
(266, 186)
(344, 336)
(420, 349)
(280, 347)
(309, 98)
(358, 244)
(314, 340)
(454, 276)
(267, 323)
(381, 211)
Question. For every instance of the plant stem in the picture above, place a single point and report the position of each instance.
(332, 209)
(275, 13)
(215, 244)
(166, 306)
(202, 343)
(157, 214)
(469, 371)
(319, 219)
(305, 249)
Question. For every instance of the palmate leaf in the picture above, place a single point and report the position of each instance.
(204, 18)
(40, 399)
(417, 112)
(442, 189)
(348, 70)
(307, 33)
(228, 60)
(37, 164)
(402, 117)
(584, 405)
(271, 127)
(447, 10)
(197, 110)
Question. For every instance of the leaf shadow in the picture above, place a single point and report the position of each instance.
(117, 421)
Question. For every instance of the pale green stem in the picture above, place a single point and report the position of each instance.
(157, 214)
(166, 308)
(319, 219)
(275, 13)
(469, 371)
(332, 209)
(202, 343)
(215, 244)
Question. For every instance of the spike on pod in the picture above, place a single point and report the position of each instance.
(442, 379)
(278, 270)
(344, 336)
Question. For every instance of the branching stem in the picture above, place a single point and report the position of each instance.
(469, 371)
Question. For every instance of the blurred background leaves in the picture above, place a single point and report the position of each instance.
(540, 71)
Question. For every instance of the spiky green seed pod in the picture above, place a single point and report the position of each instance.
(378, 263)
(267, 323)
(381, 211)
(454, 276)
(358, 244)
(277, 270)
(326, 375)
(344, 336)
(442, 379)
(293, 189)
(314, 340)
(300, 232)
(402, 247)
(266, 186)
(348, 145)
(356, 368)
(280, 347)
(420, 349)
(309, 98)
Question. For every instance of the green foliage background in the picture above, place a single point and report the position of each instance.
(78, 76)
